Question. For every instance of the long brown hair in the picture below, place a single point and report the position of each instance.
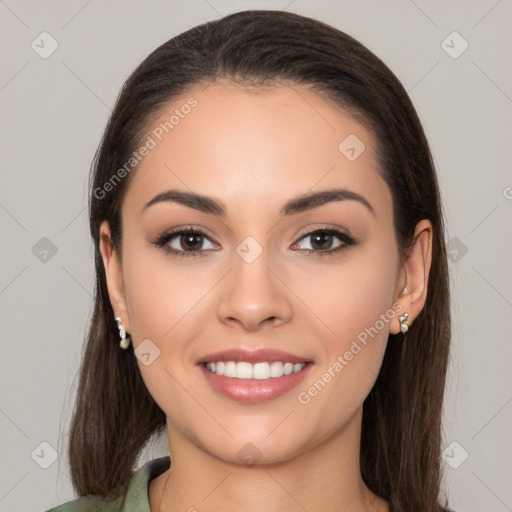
(115, 417)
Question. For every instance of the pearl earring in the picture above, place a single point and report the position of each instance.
(125, 339)
(403, 326)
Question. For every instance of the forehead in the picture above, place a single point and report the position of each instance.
(254, 147)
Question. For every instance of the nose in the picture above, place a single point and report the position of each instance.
(253, 297)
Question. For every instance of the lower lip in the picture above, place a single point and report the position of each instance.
(253, 390)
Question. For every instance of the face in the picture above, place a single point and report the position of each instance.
(263, 261)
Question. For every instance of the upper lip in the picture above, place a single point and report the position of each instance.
(252, 356)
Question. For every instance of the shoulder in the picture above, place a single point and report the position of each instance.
(135, 498)
(91, 504)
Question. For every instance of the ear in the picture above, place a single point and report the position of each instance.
(114, 275)
(412, 285)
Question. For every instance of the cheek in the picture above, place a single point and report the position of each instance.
(168, 303)
(163, 301)
(161, 293)
(354, 300)
(351, 296)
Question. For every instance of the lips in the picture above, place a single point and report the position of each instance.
(253, 376)
(260, 355)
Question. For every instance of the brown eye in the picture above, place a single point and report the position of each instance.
(186, 242)
(191, 241)
(321, 241)
(324, 241)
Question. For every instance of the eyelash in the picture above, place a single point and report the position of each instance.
(164, 239)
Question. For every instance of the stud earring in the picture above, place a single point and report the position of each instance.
(125, 339)
(403, 326)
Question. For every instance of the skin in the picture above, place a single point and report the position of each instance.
(254, 151)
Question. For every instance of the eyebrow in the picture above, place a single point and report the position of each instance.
(300, 204)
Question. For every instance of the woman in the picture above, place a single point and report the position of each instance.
(271, 282)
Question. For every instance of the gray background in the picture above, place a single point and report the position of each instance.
(53, 113)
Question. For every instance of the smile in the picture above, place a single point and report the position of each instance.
(259, 371)
(253, 383)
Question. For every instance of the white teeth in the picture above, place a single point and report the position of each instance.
(288, 368)
(243, 370)
(276, 369)
(230, 369)
(259, 371)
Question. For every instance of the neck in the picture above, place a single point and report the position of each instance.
(326, 477)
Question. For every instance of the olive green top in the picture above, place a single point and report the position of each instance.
(135, 499)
